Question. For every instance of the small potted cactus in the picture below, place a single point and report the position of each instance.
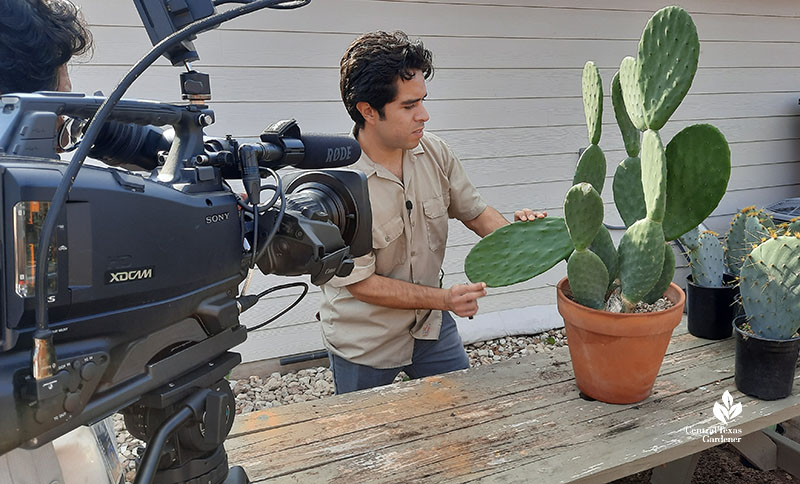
(712, 290)
(767, 340)
(660, 195)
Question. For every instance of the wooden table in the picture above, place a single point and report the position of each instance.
(520, 420)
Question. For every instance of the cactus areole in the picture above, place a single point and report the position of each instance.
(660, 193)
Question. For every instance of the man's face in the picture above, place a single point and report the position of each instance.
(404, 118)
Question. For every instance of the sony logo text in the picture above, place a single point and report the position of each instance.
(217, 217)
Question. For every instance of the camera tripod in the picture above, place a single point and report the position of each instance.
(184, 425)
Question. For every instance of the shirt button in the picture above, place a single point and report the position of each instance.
(386, 238)
(413, 252)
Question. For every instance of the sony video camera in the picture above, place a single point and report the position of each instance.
(143, 269)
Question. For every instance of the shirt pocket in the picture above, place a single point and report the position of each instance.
(389, 246)
(436, 222)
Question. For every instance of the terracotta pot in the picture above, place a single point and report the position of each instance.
(616, 356)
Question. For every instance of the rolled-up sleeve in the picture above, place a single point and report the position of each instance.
(465, 201)
(364, 267)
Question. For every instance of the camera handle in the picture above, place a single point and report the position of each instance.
(184, 425)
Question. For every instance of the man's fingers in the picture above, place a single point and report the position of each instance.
(474, 287)
(527, 214)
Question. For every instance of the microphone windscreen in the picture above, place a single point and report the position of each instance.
(328, 151)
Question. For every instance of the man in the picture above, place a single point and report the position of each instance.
(391, 314)
(37, 38)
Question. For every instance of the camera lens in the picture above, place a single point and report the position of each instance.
(318, 202)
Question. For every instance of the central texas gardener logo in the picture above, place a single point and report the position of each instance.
(727, 410)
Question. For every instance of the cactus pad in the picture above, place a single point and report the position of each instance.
(588, 278)
(583, 212)
(667, 273)
(641, 258)
(698, 169)
(667, 62)
(518, 251)
(793, 227)
(691, 239)
(707, 261)
(630, 135)
(737, 249)
(593, 101)
(591, 168)
(628, 193)
(769, 284)
(754, 232)
(631, 92)
(603, 246)
(654, 175)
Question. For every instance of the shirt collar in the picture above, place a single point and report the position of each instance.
(370, 167)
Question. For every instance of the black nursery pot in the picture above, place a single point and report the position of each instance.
(710, 310)
(764, 367)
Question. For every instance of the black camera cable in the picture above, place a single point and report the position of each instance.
(247, 302)
(44, 357)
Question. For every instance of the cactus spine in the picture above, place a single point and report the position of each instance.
(660, 195)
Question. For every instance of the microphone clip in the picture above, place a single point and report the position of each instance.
(286, 135)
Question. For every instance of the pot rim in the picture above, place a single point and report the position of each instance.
(675, 304)
(621, 324)
(743, 317)
(726, 277)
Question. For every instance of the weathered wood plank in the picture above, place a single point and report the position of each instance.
(499, 427)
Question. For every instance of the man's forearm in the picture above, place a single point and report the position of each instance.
(393, 293)
(487, 222)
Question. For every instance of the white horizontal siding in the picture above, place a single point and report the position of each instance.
(506, 96)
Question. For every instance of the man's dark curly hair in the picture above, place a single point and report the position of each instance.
(36, 38)
(371, 65)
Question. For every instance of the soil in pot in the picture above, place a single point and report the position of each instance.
(710, 310)
(765, 368)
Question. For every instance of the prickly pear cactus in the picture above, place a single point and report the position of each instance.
(627, 184)
(768, 284)
(668, 54)
(691, 238)
(660, 195)
(793, 227)
(683, 183)
(667, 273)
(518, 251)
(698, 170)
(748, 227)
(592, 163)
(707, 260)
(583, 212)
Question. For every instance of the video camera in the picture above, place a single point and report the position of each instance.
(120, 291)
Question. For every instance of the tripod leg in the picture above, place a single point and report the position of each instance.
(236, 475)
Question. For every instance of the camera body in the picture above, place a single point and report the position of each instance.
(144, 268)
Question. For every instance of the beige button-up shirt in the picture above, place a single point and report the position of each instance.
(407, 244)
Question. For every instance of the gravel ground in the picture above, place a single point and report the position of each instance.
(258, 393)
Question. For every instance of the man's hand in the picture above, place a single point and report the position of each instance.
(527, 214)
(462, 299)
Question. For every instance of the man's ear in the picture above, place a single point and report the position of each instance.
(369, 113)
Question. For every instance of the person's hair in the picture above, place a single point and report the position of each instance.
(36, 38)
(371, 66)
